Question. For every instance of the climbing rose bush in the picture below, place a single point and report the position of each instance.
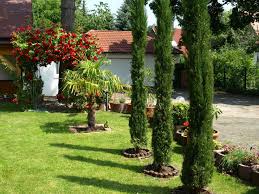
(34, 46)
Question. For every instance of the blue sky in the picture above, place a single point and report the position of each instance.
(115, 5)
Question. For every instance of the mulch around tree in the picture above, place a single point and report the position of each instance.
(182, 190)
(86, 129)
(162, 172)
(133, 153)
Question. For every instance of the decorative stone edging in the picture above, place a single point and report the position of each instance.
(170, 173)
(143, 153)
(84, 128)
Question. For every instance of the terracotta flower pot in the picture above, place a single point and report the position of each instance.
(255, 175)
(215, 135)
(219, 155)
(244, 172)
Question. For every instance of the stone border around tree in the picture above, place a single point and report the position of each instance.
(148, 170)
(144, 153)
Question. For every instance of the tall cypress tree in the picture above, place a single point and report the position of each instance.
(198, 160)
(162, 123)
(138, 121)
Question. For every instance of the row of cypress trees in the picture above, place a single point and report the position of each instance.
(198, 160)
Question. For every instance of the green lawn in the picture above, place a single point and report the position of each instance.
(38, 155)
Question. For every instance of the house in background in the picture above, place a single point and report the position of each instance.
(117, 48)
(13, 14)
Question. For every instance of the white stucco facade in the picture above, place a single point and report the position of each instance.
(121, 65)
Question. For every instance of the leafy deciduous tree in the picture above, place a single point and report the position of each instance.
(46, 12)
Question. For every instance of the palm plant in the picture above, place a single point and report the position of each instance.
(88, 80)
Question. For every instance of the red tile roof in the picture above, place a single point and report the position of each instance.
(13, 13)
(120, 41)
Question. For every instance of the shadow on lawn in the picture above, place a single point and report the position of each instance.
(88, 148)
(115, 186)
(107, 163)
(178, 149)
(59, 127)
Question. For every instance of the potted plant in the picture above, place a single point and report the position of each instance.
(255, 175)
(245, 168)
(118, 105)
(231, 161)
(221, 152)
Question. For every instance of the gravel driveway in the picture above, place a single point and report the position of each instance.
(239, 122)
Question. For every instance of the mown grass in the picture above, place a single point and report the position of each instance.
(39, 155)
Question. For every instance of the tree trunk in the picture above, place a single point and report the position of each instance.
(68, 14)
(91, 118)
(67, 21)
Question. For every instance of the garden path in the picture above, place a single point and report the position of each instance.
(239, 122)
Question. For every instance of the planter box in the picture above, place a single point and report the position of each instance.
(218, 155)
(127, 108)
(117, 107)
(244, 172)
(255, 175)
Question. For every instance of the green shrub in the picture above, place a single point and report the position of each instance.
(180, 112)
(230, 67)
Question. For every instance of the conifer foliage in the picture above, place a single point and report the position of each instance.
(138, 121)
(198, 160)
(162, 123)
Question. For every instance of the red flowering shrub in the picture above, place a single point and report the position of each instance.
(35, 47)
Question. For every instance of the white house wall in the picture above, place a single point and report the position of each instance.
(121, 65)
